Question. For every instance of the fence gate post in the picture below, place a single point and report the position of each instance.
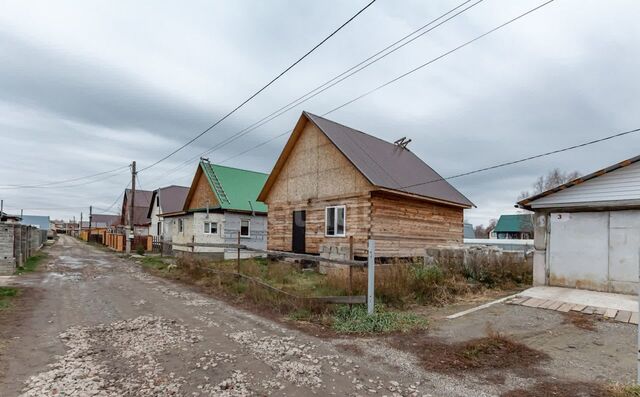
(238, 259)
(371, 266)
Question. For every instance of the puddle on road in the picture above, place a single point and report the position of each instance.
(54, 276)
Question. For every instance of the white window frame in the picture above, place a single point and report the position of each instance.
(335, 220)
(248, 227)
(208, 230)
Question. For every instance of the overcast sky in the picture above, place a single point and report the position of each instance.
(87, 87)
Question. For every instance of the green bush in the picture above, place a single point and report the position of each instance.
(355, 320)
(140, 249)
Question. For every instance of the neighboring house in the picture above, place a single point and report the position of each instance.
(332, 184)
(221, 203)
(587, 231)
(514, 227)
(40, 221)
(469, 232)
(4, 217)
(168, 199)
(141, 221)
(102, 221)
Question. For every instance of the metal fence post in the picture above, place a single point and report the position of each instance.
(371, 266)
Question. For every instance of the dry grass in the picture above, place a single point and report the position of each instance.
(445, 281)
(493, 352)
(582, 321)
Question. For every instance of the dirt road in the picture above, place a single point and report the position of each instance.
(89, 323)
(99, 326)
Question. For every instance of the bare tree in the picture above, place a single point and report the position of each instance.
(554, 178)
(482, 231)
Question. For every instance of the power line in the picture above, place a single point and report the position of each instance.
(537, 156)
(261, 89)
(381, 54)
(49, 184)
(400, 76)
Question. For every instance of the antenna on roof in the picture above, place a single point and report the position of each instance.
(402, 142)
(205, 159)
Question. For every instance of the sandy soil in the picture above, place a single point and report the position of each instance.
(90, 323)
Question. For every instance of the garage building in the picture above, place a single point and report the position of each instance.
(587, 231)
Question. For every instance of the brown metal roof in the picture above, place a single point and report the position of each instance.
(104, 220)
(387, 165)
(526, 203)
(141, 207)
(171, 198)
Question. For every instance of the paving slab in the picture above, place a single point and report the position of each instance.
(578, 308)
(587, 298)
(610, 313)
(545, 304)
(623, 316)
(565, 307)
(634, 318)
(555, 305)
(533, 302)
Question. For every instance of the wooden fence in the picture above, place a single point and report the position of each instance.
(347, 299)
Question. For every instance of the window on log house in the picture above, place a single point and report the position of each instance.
(335, 221)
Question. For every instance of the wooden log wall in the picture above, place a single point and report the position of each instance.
(405, 227)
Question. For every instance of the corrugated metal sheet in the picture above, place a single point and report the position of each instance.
(387, 165)
(236, 189)
(619, 182)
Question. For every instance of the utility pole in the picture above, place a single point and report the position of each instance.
(90, 216)
(81, 224)
(131, 226)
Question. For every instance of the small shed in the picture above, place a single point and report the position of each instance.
(333, 188)
(587, 231)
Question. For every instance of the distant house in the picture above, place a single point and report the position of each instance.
(220, 205)
(168, 200)
(4, 217)
(587, 231)
(469, 232)
(333, 184)
(514, 227)
(103, 221)
(141, 221)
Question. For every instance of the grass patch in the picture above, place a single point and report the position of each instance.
(355, 320)
(32, 263)
(154, 262)
(625, 391)
(6, 294)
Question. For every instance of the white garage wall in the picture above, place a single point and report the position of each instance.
(595, 250)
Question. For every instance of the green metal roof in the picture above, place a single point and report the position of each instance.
(235, 189)
(514, 223)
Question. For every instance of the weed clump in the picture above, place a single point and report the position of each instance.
(355, 320)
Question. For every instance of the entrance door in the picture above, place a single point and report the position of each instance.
(299, 231)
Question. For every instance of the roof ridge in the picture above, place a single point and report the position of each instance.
(236, 168)
(353, 129)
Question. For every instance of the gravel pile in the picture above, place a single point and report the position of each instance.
(114, 360)
(292, 361)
